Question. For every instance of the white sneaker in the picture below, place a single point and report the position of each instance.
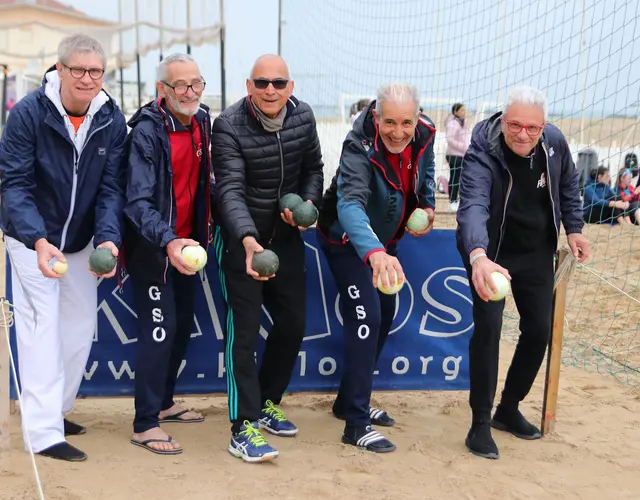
(454, 206)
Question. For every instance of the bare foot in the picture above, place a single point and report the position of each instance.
(175, 409)
(157, 433)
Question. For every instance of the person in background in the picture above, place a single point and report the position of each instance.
(264, 146)
(167, 209)
(457, 144)
(62, 184)
(518, 184)
(360, 106)
(385, 172)
(627, 193)
(600, 204)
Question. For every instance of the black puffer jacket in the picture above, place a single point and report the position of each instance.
(253, 168)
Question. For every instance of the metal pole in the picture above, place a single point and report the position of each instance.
(3, 112)
(223, 78)
(135, 4)
(161, 35)
(279, 27)
(188, 26)
(121, 49)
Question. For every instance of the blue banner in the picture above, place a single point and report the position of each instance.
(427, 348)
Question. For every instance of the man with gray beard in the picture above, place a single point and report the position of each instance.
(167, 209)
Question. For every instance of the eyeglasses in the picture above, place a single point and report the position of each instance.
(516, 127)
(78, 73)
(263, 83)
(182, 88)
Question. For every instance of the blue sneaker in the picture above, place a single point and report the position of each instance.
(250, 445)
(274, 421)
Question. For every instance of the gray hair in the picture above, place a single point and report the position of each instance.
(527, 96)
(163, 67)
(398, 93)
(80, 43)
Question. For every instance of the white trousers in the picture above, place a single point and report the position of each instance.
(55, 322)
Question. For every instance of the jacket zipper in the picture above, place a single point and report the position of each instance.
(553, 207)
(504, 213)
(74, 184)
(166, 259)
(281, 178)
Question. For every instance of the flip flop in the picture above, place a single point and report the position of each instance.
(145, 445)
(176, 418)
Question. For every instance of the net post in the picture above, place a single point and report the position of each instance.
(554, 354)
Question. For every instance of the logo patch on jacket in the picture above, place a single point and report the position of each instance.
(542, 182)
(102, 151)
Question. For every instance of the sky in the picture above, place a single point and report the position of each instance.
(582, 53)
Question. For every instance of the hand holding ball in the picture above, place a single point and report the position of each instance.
(102, 261)
(392, 288)
(195, 256)
(60, 268)
(265, 263)
(501, 286)
(418, 221)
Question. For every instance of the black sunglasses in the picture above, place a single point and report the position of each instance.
(263, 83)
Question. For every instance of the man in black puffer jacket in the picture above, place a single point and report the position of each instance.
(263, 147)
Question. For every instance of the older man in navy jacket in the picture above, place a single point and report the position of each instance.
(62, 192)
(518, 183)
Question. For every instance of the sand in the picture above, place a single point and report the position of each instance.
(593, 453)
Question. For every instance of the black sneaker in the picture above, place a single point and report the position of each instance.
(64, 451)
(378, 417)
(511, 420)
(367, 439)
(480, 442)
(73, 429)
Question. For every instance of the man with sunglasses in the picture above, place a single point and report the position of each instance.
(263, 147)
(167, 209)
(62, 186)
(518, 184)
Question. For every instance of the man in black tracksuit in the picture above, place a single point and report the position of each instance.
(518, 183)
(263, 147)
(167, 208)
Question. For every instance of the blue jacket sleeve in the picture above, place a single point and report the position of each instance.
(110, 202)
(570, 204)
(17, 177)
(427, 191)
(353, 180)
(140, 206)
(593, 199)
(475, 191)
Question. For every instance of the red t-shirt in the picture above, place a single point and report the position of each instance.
(186, 156)
(404, 169)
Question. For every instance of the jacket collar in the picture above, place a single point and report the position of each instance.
(292, 104)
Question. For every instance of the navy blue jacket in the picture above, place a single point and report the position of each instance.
(485, 186)
(150, 209)
(50, 190)
(597, 197)
(365, 204)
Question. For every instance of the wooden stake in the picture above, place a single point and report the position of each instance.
(554, 355)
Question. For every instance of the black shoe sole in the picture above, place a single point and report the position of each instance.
(387, 449)
(502, 427)
(491, 456)
(81, 458)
